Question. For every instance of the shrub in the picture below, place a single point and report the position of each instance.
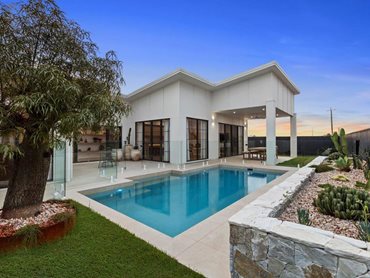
(304, 217)
(30, 234)
(342, 202)
(323, 168)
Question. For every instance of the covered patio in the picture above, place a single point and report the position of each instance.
(270, 113)
(263, 93)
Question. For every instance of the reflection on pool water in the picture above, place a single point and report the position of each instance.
(173, 204)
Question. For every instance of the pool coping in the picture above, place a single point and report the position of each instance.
(181, 245)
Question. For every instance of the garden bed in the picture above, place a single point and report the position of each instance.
(304, 200)
(55, 220)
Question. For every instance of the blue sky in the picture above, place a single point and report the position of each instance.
(324, 46)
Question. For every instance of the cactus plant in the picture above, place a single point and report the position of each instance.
(357, 162)
(366, 170)
(304, 217)
(340, 142)
(343, 141)
(342, 202)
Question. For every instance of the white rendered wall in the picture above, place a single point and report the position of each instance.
(284, 97)
(254, 92)
(161, 104)
(249, 93)
(194, 103)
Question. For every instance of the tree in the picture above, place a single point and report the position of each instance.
(53, 85)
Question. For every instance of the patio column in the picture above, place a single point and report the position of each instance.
(245, 146)
(270, 132)
(293, 135)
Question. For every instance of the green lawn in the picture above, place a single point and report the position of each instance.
(95, 248)
(301, 160)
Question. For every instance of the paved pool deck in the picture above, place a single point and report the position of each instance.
(205, 246)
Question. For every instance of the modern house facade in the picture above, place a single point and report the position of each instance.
(182, 117)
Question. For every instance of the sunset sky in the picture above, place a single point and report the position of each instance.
(324, 46)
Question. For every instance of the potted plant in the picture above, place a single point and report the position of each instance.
(128, 146)
(135, 154)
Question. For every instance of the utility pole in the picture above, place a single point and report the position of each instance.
(331, 120)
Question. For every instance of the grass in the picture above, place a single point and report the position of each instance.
(95, 248)
(301, 160)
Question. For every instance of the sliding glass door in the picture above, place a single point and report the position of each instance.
(153, 137)
(196, 139)
(231, 140)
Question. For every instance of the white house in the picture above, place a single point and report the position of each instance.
(182, 117)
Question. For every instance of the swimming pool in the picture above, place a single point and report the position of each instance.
(172, 204)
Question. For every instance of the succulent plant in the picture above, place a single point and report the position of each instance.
(341, 178)
(343, 164)
(304, 217)
(366, 170)
(342, 202)
(363, 185)
(364, 230)
(363, 226)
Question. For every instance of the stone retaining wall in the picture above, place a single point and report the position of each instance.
(263, 246)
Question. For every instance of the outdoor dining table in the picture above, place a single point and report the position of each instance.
(258, 153)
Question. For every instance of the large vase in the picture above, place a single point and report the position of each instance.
(127, 150)
(135, 155)
(118, 153)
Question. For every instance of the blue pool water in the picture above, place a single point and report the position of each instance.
(172, 204)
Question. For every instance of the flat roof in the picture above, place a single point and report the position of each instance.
(181, 74)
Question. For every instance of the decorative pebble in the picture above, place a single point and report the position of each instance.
(304, 199)
(47, 211)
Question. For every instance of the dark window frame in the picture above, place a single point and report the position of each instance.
(151, 138)
(239, 152)
(187, 139)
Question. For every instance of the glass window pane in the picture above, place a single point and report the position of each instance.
(153, 138)
(197, 139)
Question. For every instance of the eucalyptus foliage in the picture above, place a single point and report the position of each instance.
(53, 85)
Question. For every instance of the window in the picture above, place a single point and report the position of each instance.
(196, 139)
(231, 139)
(153, 139)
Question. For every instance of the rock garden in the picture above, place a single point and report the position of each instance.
(336, 198)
